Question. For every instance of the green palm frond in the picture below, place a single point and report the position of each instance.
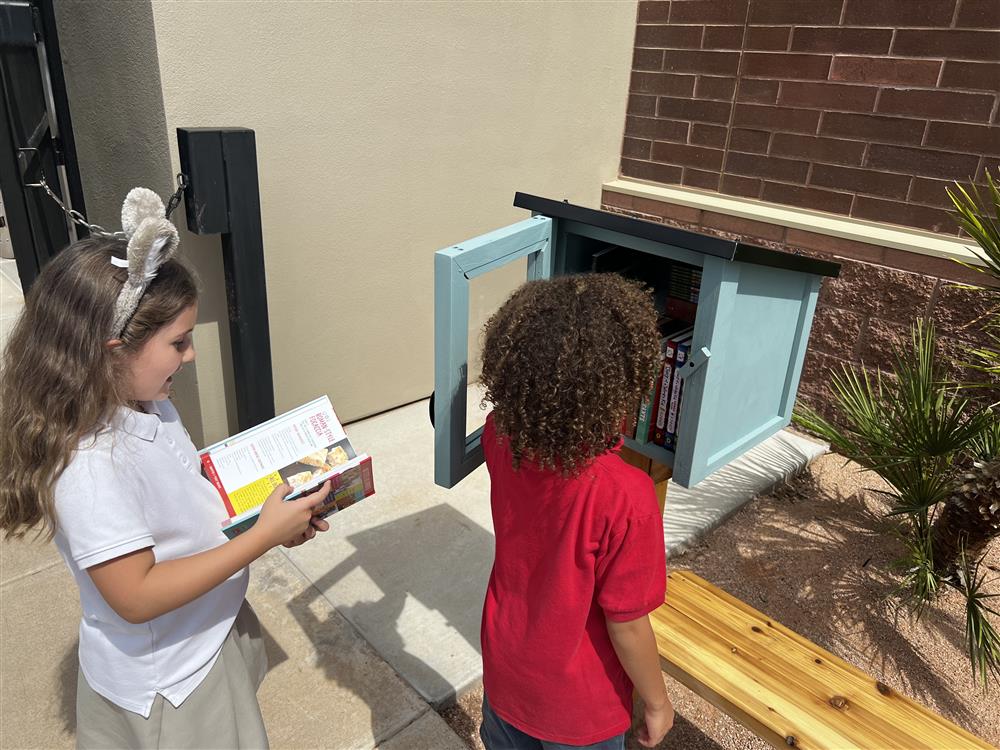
(919, 489)
(980, 218)
(915, 428)
(987, 359)
(981, 634)
(906, 426)
(986, 445)
(920, 582)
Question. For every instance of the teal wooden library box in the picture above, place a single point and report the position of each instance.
(751, 326)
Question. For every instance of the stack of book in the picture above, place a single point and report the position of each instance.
(656, 418)
(682, 292)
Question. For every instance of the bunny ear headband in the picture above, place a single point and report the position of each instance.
(152, 240)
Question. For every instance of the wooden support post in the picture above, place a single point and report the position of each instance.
(657, 471)
(660, 475)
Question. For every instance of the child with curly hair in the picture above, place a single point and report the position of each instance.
(579, 537)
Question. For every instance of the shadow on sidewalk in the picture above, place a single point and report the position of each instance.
(437, 561)
(69, 665)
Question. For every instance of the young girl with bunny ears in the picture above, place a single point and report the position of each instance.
(94, 455)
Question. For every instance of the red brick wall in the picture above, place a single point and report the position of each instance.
(866, 108)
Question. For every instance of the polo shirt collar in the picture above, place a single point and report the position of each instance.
(140, 424)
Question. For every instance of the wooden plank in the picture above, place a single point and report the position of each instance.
(805, 663)
(636, 459)
(804, 714)
(766, 733)
(792, 659)
(753, 701)
(781, 686)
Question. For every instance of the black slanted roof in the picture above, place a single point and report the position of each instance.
(700, 243)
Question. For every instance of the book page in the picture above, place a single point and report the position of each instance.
(295, 448)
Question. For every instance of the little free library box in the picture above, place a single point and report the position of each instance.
(735, 322)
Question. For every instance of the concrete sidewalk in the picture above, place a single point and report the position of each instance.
(327, 687)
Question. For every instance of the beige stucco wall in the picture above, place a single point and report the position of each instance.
(384, 132)
(113, 85)
(112, 73)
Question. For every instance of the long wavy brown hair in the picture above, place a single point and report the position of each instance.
(564, 360)
(60, 380)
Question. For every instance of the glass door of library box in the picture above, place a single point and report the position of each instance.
(751, 320)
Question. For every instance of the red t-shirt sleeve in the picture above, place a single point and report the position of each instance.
(632, 572)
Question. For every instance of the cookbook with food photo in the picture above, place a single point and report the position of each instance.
(303, 448)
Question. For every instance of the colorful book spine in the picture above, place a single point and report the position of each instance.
(628, 424)
(660, 437)
(663, 393)
(681, 309)
(677, 389)
(643, 421)
(647, 410)
(695, 285)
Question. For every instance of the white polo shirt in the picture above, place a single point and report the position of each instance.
(133, 485)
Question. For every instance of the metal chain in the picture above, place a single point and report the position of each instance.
(75, 215)
(175, 199)
(97, 229)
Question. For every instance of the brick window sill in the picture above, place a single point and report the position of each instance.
(817, 222)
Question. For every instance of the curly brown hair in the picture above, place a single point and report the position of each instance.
(564, 360)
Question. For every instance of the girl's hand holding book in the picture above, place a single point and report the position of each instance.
(290, 523)
(316, 524)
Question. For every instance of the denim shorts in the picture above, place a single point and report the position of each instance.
(497, 734)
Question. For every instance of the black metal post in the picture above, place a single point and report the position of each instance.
(223, 197)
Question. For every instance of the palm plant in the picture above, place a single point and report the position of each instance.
(914, 429)
(938, 450)
(974, 217)
(976, 499)
(980, 218)
(909, 426)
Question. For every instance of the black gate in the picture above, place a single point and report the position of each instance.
(36, 136)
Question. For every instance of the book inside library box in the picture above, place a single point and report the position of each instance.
(676, 286)
(734, 322)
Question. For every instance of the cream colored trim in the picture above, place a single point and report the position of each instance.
(859, 230)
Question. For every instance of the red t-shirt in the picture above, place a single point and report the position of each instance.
(569, 552)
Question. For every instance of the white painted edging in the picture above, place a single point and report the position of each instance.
(859, 230)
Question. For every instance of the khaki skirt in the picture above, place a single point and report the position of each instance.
(222, 712)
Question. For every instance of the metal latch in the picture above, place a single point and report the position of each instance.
(695, 361)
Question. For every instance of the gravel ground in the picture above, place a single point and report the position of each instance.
(817, 556)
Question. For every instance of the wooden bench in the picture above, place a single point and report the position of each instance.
(783, 688)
